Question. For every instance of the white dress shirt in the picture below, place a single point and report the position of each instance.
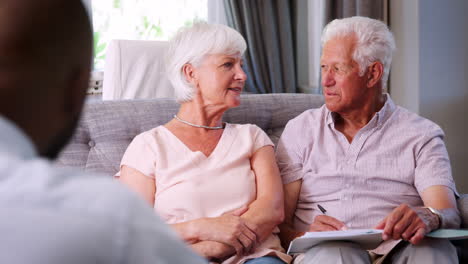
(55, 215)
(390, 161)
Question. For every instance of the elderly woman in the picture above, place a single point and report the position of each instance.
(217, 184)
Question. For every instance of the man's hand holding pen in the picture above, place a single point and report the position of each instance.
(326, 223)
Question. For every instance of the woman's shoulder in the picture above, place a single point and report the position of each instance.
(245, 128)
(250, 132)
(151, 135)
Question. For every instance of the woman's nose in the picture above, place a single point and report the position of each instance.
(240, 74)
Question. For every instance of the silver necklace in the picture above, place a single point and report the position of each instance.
(194, 125)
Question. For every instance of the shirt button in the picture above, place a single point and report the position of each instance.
(91, 144)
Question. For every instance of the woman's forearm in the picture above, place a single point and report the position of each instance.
(187, 231)
(267, 211)
(213, 250)
(263, 216)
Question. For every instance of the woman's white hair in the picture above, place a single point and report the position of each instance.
(191, 45)
(374, 41)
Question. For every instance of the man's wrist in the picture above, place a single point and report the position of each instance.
(437, 214)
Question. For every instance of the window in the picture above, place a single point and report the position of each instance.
(141, 20)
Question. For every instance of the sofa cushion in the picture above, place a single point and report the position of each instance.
(107, 127)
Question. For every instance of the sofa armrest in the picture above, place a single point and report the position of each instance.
(463, 208)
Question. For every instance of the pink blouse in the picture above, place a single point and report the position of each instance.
(190, 185)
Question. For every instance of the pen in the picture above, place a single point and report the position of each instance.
(321, 209)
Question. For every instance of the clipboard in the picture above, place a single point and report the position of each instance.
(366, 238)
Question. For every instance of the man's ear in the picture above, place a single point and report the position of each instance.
(78, 82)
(190, 74)
(374, 73)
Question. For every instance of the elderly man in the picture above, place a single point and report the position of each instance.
(368, 162)
(51, 215)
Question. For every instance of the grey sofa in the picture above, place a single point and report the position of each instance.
(107, 127)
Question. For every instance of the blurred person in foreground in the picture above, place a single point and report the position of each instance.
(367, 161)
(217, 184)
(52, 215)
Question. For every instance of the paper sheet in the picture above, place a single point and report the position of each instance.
(367, 238)
(452, 234)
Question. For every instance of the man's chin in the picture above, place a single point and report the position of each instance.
(332, 105)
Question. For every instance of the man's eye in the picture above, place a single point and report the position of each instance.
(340, 69)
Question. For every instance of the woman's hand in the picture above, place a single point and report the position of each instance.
(229, 229)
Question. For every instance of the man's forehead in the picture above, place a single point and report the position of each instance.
(339, 48)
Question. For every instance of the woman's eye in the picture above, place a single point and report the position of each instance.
(228, 64)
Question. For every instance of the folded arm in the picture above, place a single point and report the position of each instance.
(238, 233)
(213, 251)
(267, 210)
(229, 229)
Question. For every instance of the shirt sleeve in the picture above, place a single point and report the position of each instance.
(142, 237)
(260, 139)
(288, 154)
(432, 163)
(140, 155)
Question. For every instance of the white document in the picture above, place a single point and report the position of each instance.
(451, 234)
(367, 238)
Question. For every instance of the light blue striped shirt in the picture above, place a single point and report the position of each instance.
(55, 215)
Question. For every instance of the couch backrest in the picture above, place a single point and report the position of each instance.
(107, 127)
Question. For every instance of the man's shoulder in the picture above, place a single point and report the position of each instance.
(43, 185)
(414, 123)
(84, 213)
(308, 119)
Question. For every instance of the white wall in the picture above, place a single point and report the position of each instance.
(430, 71)
(443, 60)
(404, 23)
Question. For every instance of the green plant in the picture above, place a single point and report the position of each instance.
(117, 4)
(99, 49)
(148, 29)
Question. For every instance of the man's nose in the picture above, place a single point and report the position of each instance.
(327, 78)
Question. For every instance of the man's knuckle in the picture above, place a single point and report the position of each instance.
(398, 229)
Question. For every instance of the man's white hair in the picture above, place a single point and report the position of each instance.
(374, 41)
(191, 45)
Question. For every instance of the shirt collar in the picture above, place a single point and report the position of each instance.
(380, 117)
(14, 141)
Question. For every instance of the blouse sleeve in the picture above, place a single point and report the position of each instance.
(140, 155)
(260, 139)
